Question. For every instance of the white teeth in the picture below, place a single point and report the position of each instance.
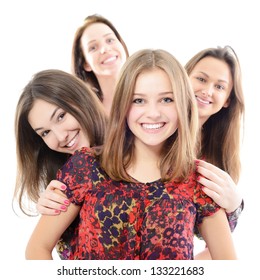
(72, 142)
(152, 125)
(203, 101)
(110, 59)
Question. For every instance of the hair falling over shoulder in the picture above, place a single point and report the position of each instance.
(179, 150)
(227, 124)
(37, 164)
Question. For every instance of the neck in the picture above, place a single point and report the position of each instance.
(202, 121)
(107, 85)
(145, 167)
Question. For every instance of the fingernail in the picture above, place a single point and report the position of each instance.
(57, 211)
(63, 187)
(63, 207)
(66, 202)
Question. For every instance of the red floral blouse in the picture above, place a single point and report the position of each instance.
(129, 221)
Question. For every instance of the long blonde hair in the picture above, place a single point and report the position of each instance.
(179, 150)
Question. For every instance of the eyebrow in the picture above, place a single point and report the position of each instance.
(219, 80)
(105, 35)
(160, 93)
(52, 115)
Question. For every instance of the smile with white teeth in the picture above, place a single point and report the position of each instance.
(203, 101)
(110, 59)
(152, 125)
(72, 141)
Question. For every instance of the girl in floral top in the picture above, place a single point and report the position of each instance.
(39, 153)
(221, 167)
(139, 199)
(213, 72)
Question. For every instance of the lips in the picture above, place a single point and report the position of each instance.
(72, 141)
(111, 59)
(152, 126)
(203, 101)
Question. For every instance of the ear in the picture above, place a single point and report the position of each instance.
(227, 103)
(87, 67)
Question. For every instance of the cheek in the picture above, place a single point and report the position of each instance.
(122, 52)
(175, 122)
(50, 142)
(133, 115)
(222, 100)
(129, 120)
(173, 116)
(90, 59)
(196, 86)
(70, 123)
(227, 100)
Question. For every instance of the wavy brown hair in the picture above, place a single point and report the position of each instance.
(221, 133)
(37, 164)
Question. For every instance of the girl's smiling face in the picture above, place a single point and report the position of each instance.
(104, 53)
(59, 130)
(212, 83)
(152, 117)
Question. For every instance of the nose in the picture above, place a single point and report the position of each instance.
(61, 135)
(208, 90)
(104, 48)
(153, 111)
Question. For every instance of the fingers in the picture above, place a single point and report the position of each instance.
(48, 196)
(211, 185)
(213, 173)
(52, 201)
(54, 184)
(214, 191)
(211, 176)
(47, 211)
(218, 185)
(213, 195)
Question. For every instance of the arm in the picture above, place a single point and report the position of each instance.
(216, 232)
(47, 232)
(52, 202)
(204, 255)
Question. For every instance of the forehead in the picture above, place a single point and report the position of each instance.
(40, 112)
(153, 81)
(213, 67)
(96, 30)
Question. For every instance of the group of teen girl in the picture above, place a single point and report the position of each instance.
(130, 157)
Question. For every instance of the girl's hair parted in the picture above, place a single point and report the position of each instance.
(225, 125)
(179, 150)
(37, 164)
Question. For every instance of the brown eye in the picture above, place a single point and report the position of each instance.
(45, 133)
(220, 87)
(110, 40)
(138, 101)
(201, 79)
(61, 116)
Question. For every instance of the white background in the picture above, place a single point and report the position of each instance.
(38, 35)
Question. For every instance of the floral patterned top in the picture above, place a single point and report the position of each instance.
(131, 221)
